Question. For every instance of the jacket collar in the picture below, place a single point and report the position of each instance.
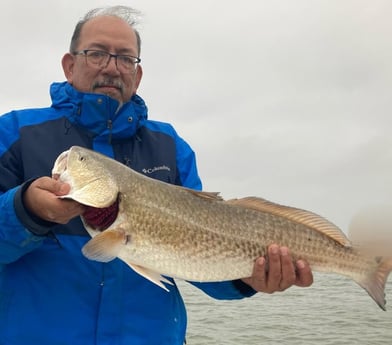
(98, 113)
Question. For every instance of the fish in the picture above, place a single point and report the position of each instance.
(166, 231)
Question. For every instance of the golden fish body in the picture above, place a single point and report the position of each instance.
(162, 229)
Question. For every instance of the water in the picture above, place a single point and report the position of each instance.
(333, 311)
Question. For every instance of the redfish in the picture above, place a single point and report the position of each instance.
(160, 229)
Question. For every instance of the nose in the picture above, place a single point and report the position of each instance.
(110, 65)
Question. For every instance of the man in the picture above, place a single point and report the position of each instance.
(49, 292)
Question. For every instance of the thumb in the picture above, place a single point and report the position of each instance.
(62, 188)
(54, 186)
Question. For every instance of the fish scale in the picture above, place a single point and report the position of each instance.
(166, 230)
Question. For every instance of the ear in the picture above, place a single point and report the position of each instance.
(138, 77)
(68, 62)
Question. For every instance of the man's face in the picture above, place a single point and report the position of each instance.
(109, 34)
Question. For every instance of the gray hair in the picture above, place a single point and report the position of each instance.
(125, 13)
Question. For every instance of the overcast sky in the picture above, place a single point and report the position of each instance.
(286, 100)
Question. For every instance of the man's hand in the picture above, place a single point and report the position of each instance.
(41, 199)
(280, 273)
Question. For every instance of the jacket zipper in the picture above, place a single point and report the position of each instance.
(110, 128)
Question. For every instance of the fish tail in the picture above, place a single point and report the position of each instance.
(374, 283)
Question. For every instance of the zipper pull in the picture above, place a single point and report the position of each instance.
(110, 128)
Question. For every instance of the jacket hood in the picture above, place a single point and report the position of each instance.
(98, 113)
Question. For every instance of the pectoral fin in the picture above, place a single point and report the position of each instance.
(108, 244)
(105, 246)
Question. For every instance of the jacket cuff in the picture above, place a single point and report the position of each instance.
(31, 222)
(244, 288)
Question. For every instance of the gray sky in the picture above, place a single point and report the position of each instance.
(286, 100)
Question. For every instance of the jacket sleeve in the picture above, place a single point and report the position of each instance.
(15, 239)
(188, 175)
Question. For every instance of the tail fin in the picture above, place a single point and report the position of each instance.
(374, 284)
(370, 230)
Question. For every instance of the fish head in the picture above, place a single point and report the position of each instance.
(89, 175)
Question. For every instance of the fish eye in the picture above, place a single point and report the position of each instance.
(82, 158)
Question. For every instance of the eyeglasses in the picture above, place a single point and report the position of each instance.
(100, 59)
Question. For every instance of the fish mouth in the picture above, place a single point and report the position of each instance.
(101, 218)
(60, 165)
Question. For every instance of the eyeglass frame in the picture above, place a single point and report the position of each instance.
(84, 52)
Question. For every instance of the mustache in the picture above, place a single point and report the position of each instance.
(108, 82)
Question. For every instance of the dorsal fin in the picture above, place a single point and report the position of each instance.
(297, 215)
(204, 195)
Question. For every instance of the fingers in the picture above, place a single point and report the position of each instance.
(304, 274)
(274, 274)
(281, 271)
(51, 185)
(278, 272)
(258, 280)
(41, 199)
(288, 277)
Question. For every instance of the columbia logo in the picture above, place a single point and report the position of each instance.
(155, 169)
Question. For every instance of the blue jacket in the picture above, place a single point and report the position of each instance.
(50, 294)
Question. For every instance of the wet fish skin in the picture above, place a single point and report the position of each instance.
(162, 229)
